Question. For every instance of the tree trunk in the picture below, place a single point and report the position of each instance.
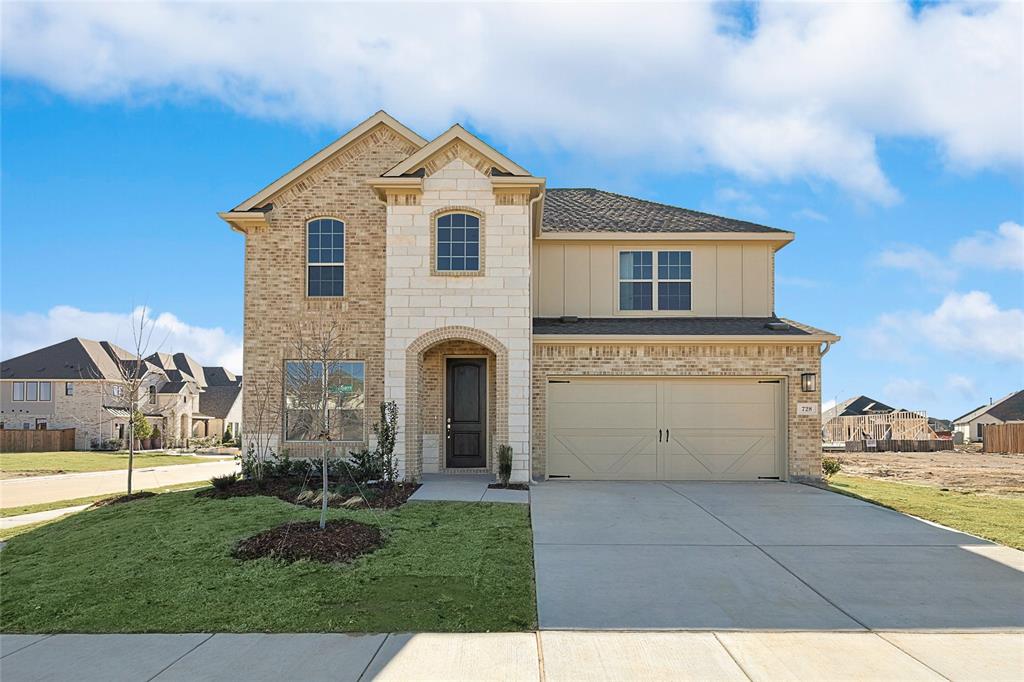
(131, 452)
(323, 473)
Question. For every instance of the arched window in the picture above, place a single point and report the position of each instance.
(152, 393)
(325, 257)
(458, 242)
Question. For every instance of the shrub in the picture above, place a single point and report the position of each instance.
(143, 429)
(386, 431)
(227, 439)
(156, 433)
(250, 463)
(830, 466)
(504, 463)
(112, 444)
(363, 466)
(223, 482)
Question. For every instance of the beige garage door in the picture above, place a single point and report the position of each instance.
(665, 429)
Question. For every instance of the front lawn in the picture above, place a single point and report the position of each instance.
(164, 565)
(994, 517)
(22, 464)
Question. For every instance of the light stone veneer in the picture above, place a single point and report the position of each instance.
(434, 308)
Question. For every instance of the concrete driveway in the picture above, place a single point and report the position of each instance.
(761, 556)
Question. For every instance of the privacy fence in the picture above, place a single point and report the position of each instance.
(26, 440)
(1004, 438)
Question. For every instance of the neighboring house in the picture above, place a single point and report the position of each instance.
(972, 425)
(600, 336)
(220, 405)
(864, 418)
(79, 384)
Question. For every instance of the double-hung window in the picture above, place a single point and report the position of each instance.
(458, 243)
(45, 391)
(325, 257)
(309, 389)
(18, 391)
(655, 281)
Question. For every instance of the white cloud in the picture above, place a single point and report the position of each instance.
(965, 386)
(909, 393)
(29, 331)
(1000, 250)
(828, 405)
(810, 214)
(806, 95)
(970, 325)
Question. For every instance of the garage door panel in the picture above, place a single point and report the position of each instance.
(717, 429)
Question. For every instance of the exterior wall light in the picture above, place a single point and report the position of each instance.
(808, 382)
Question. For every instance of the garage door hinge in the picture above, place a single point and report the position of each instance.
(770, 381)
(558, 381)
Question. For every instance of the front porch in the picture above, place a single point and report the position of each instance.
(465, 488)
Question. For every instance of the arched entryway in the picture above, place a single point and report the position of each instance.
(449, 372)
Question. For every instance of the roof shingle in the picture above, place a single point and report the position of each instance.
(668, 326)
(594, 210)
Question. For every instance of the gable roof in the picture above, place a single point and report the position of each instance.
(179, 367)
(594, 210)
(857, 406)
(220, 376)
(76, 358)
(1008, 408)
(456, 132)
(217, 401)
(381, 117)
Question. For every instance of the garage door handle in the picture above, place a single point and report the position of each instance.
(659, 435)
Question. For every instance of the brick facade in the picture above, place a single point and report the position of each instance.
(275, 272)
(803, 435)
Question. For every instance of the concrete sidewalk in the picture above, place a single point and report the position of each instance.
(19, 492)
(548, 655)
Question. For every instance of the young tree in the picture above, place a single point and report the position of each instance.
(313, 390)
(263, 416)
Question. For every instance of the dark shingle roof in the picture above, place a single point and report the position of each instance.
(219, 376)
(76, 358)
(173, 387)
(217, 401)
(667, 326)
(1011, 409)
(594, 210)
(858, 406)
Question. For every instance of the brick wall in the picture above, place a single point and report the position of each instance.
(275, 270)
(770, 360)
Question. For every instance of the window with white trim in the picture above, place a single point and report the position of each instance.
(69, 388)
(306, 386)
(655, 281)
(325, 257)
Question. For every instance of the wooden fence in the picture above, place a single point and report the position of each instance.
(899, 445)
(1004, 438)
(887, 426)
(28, 440)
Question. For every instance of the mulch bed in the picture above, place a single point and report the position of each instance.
(510, 486)
(340, 541)
(290, 489)
(121, 499)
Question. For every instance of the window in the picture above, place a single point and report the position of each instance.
(69, 388)
(45, 391)
(458, 243)
(31, 390)
(40, 424)
(18, 390)
(117, 391)
(325, 253)
(306, 384)
(642, 286)
(152, 394)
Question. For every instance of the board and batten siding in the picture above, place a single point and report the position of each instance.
(730, 279)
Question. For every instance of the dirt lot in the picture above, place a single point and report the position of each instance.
(958, 470)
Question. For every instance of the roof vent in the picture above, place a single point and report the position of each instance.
(569, 319)
(777, 326)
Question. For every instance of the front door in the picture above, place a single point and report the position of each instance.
(466, 413)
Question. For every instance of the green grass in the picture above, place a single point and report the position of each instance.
(992, 517)
(60, 504)
(22, 464)
(164, 565)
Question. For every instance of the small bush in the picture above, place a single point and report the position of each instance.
(363, 466)
(830, 466)
(223, 482)
(504, 463)
(227, 439)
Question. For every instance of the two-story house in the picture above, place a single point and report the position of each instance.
(80, 383)
(601, 336)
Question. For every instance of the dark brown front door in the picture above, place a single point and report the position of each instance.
(466, 413)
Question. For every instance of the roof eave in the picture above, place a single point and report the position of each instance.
(686, 338)
(781, 238)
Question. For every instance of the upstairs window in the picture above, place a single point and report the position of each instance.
(458, 243)
(18, 390)
(45, 391)
(325, 257)
(69, 388)
(152, 394)
(665, 286)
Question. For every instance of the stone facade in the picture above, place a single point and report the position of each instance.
(788, 361)
(492, 307)
(275, 269)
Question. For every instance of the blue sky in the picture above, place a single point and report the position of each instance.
(906, 199)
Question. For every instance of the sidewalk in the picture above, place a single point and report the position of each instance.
(547, 655)
(19, 492)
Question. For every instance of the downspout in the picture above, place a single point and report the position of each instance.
(529, 395)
